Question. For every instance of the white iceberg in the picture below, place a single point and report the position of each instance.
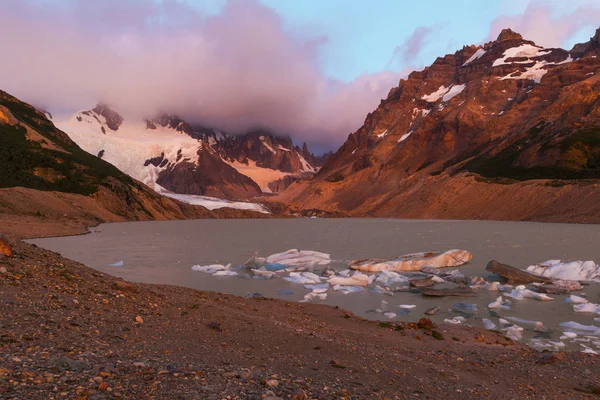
(587, 308)
(576, 299)
(117, 264)
(567, 270)
(209, 269)
(498, 303)
(521, 292)
(488, 324)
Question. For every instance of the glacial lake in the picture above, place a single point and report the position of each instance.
(164, 251)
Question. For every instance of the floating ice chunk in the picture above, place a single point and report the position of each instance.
(117, 264)
(570, 335)
(587, 350)
(493, 287)
(544, 345)
(263, 273)
(354, 280)
(465, 307)
(295, 257)
(520, 293)
(348, 289)
(576, 299)
(314, 295)
(390, 277)
(300, 278)
(380, 290)
(455, 320)
(498, 304)
(514, 332)
(587, 308)
(225, 272)
(580, 328)
(488, 324)
(407, 306)
(537, 326)
(318, 286)
(390, 315)
(209, 269)
(569, 271)
(437, 279)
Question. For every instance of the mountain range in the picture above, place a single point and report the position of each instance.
(504, 130)
(507, 130)
(170, 154)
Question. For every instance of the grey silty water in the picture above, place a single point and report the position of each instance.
(164, 252)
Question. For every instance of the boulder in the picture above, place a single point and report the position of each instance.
(5, 248)
(414, 262)
(514, 275)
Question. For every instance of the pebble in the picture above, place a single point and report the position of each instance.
(272, 383)
(139, 320)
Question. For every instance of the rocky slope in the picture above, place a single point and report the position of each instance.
(504, 112)
(167, 153)
(45, 176)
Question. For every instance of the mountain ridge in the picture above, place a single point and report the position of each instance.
(508, 111)
(185, 158)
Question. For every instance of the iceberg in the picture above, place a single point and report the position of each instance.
(117, 264)
(488, 324)
(567, 270)
(225, 272)
(576, 299)
(414, 262)
(587, 308)
(354, 280)
(348, 289)
(520, 293)
(499, 303)
(303, 278)
(209, 269)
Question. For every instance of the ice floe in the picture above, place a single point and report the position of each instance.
(521, 292)
(414, 261)
(587, 308)
(567, 270)
(117, 264)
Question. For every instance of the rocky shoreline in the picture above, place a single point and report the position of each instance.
(68, 331)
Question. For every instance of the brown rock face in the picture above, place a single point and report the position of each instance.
(506, 112)
(210, 176)
(113, 119)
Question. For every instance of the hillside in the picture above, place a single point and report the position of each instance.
(477, 134)
(45, 176)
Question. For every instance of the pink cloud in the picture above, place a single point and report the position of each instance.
(542, 25)
(237, 70)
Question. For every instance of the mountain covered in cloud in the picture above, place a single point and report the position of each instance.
(172, 155)
(504, 130)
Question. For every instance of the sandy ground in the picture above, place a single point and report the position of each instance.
(67, 331)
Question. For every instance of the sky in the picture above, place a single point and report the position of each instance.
(309, 68)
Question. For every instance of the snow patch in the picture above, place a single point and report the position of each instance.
(478, 54)
(435, 96)
(262, 176)
(267, 146)
(454, 91)
(382, 134)
(525, 50)
(405, 136)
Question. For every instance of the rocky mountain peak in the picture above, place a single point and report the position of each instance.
(508, 34)
(592, 47)
(113, 118)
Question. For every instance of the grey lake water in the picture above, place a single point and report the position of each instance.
(164, 252)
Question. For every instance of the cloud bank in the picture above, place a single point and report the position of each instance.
(236, 70)
(541, 24)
